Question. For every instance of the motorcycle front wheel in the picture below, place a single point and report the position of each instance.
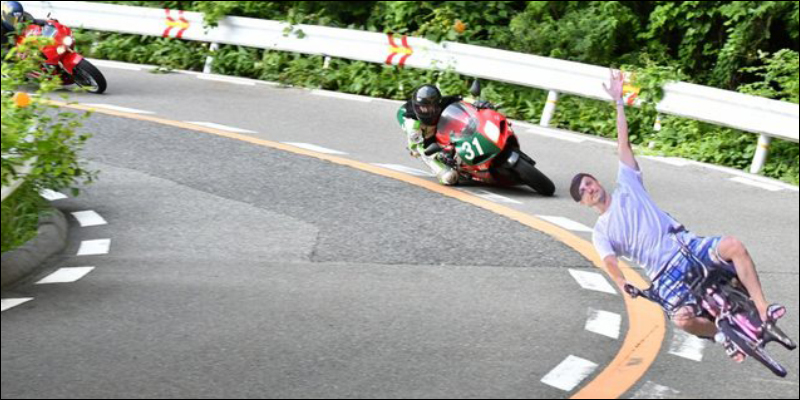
(87, 76)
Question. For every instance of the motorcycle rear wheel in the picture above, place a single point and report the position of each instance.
(531, 176)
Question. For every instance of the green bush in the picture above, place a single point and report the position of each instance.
(20, 217)
(40, 133)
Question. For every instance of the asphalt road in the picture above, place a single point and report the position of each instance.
(241, 271)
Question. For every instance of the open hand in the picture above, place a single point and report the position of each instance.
(617, 83)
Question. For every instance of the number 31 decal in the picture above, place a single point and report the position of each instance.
(469, 152)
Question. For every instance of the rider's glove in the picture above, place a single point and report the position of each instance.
(483, 105)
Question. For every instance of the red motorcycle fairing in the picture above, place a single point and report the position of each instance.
(70, 61)
(494, 127)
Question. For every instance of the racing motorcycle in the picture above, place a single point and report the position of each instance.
(62, 60)
(481, 145)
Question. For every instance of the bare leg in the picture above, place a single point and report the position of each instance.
(732, 250)
(701, 327)
(687, 321)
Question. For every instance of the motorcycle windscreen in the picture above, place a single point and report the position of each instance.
(49, 31)
(460, 122)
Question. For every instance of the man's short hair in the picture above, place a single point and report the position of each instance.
(575, 188)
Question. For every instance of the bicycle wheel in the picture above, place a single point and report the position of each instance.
(751, 349)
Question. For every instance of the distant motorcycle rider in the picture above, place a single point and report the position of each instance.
(14, 14)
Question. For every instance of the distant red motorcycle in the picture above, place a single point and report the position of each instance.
(62, 60)
(485, 149)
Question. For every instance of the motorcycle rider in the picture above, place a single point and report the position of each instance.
(14, 14)
(418, 118)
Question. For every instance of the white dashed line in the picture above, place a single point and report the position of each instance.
(118, 65)
(51, 195)
(120, 109)
(569, 136)
(757, 184)
(651, 390)
(89, 219)
(566, 223)
(7, 304)
(66, 275)
(687, 346)
(405, 170)
(220, 127)
(226, 79)
(569, 374)
(485, 194)
(560, 136)
(604, 323)
(315, 148)
(342, 96)
(95, 247)
(592, 281)
(674, 161)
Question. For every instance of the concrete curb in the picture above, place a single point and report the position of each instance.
(24, 261)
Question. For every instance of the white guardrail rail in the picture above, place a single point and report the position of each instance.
(768, 118)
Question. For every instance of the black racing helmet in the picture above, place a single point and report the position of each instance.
(427, 104)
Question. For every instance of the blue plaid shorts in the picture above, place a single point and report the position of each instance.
(671, 287)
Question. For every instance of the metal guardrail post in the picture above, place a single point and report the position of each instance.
(762, 153)
(549, 109)
(209, 67)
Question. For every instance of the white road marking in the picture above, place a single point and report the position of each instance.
(687, 346)
(592, 281)
(95, 247)
(51, 195)
(604, 323)
(560, 136)
(220, 127)
(117, 65)
(226, 79)
(675, 161)
(66, 275)
(89, 218)
(566, 223)
(651, 390)
(315, 148)
(342, 96)
(569, 136)
(485, 194)
(7, 304)
(120, 109)
(405, 170)
(754, 183)
(569, 374)
(746, 175)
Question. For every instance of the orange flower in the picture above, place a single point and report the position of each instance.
(22, 100)
(460, 27)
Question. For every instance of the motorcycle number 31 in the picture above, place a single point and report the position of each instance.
(469, 152)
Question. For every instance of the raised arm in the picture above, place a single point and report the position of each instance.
(623, 139)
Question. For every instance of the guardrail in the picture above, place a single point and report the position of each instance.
(768, 118)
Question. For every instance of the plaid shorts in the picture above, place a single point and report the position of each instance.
(672, 288)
